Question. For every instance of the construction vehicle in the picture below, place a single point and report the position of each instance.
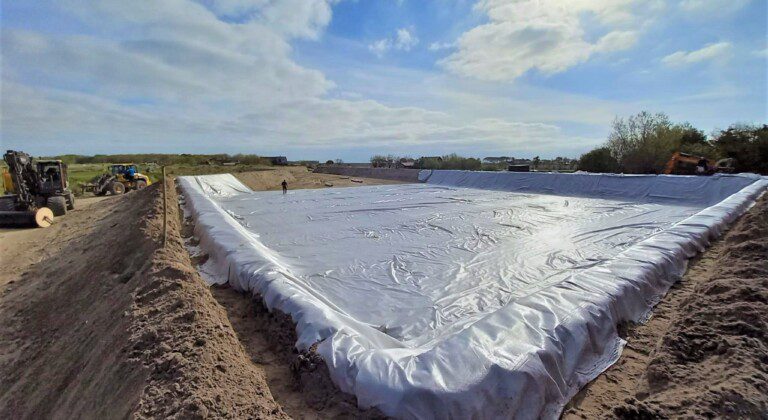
(687, 164)
(35, 191)
(121, 177)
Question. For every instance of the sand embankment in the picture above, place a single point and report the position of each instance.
(298, 177)
(99, 320)
(401, 175)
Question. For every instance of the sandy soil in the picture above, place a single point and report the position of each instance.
(704, 352)
(299, 382)
(22, 248)
(298, 177)
(99, 320)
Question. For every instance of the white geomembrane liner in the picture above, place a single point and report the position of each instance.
(474, 294)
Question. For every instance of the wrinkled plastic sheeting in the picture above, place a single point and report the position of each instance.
(474, 294)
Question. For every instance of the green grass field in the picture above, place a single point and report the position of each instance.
(84, 173)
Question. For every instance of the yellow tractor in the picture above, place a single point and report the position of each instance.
(128, 175)
(121, 177)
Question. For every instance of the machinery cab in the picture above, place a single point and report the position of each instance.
(53, 177)
(122, 169)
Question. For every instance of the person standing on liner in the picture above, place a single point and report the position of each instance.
(285, 187)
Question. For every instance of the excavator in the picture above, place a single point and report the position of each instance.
(686, 164)
(35, 191)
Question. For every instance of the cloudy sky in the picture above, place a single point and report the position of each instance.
(320, 79)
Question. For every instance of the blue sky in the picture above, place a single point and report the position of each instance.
(321, 79)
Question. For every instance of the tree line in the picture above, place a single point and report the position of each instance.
(451, 161)
(644, 143)
(166, 159)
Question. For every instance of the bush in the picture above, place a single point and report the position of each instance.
(599, 160)
(644, 143)
(452, 161)
(747, 144)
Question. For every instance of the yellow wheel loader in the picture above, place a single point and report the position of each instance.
(122, 177)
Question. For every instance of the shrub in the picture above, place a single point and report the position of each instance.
(599, 160)
(747, 144)
(644, 143)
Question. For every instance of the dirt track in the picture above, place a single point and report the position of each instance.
(98, 320)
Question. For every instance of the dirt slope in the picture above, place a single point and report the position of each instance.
(298, 177)
(300, 383)
(704, 353)
(98, 320)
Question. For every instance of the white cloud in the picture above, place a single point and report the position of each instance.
(380, 47)
(711, 52)
(616, 41)
(38, 115)
(712, 7)
(403, 40)
(439, 46)
(546, 35)
(173, 76)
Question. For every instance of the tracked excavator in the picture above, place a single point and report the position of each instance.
(36, 191)
(686, 164)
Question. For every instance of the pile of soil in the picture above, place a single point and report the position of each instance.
(704, 353)
(98, 319)
(298, 177)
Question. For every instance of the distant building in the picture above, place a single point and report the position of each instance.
(277, 160)
(519, 168)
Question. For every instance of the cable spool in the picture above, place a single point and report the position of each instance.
(42, 217)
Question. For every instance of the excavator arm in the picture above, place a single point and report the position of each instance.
(685, 164)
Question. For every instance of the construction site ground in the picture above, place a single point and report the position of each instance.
(99, 320)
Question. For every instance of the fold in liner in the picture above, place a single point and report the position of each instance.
(473, 294)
